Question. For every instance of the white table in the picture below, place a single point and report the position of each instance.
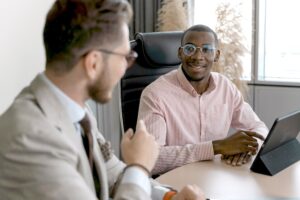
(221, 181)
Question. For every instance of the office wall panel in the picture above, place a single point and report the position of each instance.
(271, 102)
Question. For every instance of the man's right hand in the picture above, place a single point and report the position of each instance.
(239, 142)
(238, 159)
(139, 148)
(190, 192)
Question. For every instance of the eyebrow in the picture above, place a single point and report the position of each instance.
(205, 45)
(208, 45)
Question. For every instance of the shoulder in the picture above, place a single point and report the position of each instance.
(220, 78)
(166, 82)
(22, 114)
(25, 125)
(223, 82)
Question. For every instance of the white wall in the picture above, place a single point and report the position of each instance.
(21, 47)
(22, 57)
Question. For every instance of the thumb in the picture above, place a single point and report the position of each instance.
(128, 134)
(141, 126)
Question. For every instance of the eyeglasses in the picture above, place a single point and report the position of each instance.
(206, 50)
(130, 57)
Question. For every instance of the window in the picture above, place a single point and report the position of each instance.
(205, 12)
(277, 44)
(279, 41)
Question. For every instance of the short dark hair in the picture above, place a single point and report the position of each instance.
(74, 27)
(200, 28)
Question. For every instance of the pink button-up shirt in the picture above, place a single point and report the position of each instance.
(185, 123)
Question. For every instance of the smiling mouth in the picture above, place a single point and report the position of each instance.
(195, 65)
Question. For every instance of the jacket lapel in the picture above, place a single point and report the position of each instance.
(99, 160)
(55, 112)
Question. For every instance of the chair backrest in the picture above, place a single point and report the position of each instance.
(157, 55)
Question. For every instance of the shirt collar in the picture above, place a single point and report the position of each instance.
(74, 110)
(186, 85)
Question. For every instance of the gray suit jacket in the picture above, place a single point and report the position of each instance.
(42, 157)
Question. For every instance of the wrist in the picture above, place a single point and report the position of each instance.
(145, 170)
(217, 147)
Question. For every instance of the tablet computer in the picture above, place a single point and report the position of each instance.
(281, 147)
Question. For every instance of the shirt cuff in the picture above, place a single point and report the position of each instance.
(158, 192)
(137, 176)
(205, 151)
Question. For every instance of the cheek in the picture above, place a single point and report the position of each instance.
(116, 69)
(187, 60)
(120, 69)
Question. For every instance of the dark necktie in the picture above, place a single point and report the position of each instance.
(87, 138)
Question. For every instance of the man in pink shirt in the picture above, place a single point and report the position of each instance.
(190, 110)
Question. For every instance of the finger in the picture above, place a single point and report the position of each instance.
(224, 157)
(128, 134)
(141, 126)
(247, 137)
(254, 134)
(235, 159)
(251, 143)
(229, 160)
(241, 159)
(253, 153)
(251, 149)
(247, 158)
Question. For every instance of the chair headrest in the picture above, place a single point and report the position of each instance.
(160, 48)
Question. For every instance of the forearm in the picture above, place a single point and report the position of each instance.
(261, 129)
(171, 157)
(246, 119)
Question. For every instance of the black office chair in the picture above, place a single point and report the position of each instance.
(157, 55)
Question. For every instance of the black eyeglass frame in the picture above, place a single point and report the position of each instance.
(130, 57)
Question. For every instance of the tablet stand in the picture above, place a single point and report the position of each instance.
(274, 161)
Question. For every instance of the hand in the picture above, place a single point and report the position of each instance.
(239, 142)
(139, 148)
(238, 159)
(190, 192)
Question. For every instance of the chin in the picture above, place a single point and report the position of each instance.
(195, 77)
(102, 98)
(105, 99)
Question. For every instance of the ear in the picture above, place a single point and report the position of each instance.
(92, 64)
(217, 56)
(179, 53)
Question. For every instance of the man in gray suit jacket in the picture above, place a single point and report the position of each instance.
(42, 153)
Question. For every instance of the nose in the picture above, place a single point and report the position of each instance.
(199, 53)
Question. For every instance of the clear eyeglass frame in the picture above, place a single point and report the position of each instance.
(205, 50)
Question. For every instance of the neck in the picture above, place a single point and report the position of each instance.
(201, 86)
(70, 84)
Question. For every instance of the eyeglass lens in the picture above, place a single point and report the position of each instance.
(190, 49)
